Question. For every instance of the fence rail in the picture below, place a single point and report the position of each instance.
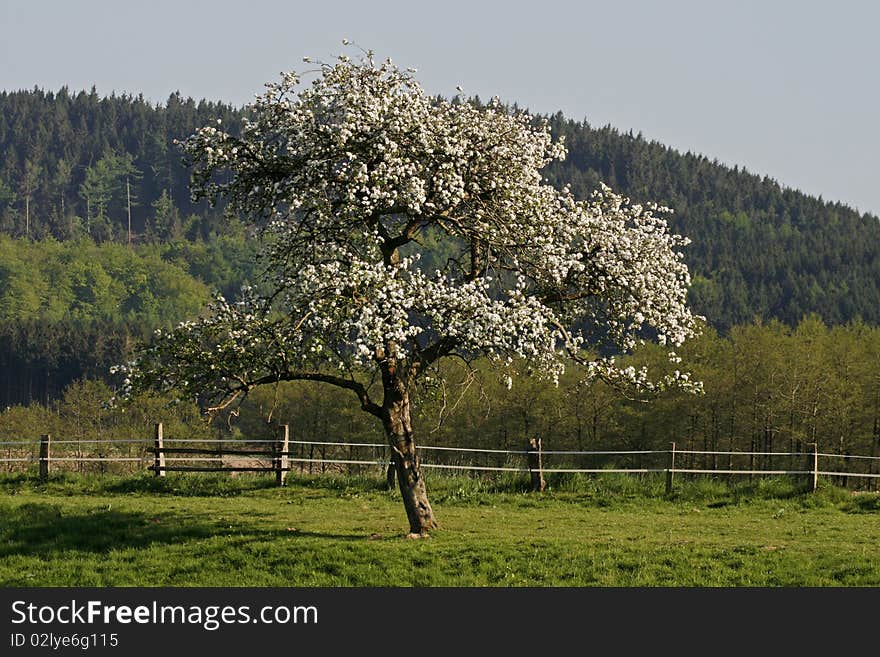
(282, 455)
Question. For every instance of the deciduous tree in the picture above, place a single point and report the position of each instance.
(346, 178)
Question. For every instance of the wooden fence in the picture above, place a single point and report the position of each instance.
(280, 455)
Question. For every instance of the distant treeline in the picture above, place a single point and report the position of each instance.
(75, 164)
(71, 310)
(768, 388)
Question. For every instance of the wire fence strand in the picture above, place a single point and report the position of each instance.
(327, 455)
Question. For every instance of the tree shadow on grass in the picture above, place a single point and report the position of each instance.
(180, 485)
(192, 486)
(42, 529)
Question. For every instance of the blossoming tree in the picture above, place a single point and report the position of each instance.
(352, 181)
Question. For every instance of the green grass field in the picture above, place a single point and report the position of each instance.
(197, 530)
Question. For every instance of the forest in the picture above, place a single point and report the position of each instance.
(76, 165)
(100, 243)
(767, 388)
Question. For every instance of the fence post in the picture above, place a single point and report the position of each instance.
(391, 471)
(536, 471)
(815, 466)
(753, 447)
(282, 459)
(670, 471)
(45, 441)
(159, 463)
(875, 443)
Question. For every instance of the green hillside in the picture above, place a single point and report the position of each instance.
(71, 310)
(760, 250)
(78, 165)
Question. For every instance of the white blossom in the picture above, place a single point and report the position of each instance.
(354, 181)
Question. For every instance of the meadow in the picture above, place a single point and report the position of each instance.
(322, 531)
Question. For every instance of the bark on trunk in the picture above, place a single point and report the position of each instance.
(398, 428)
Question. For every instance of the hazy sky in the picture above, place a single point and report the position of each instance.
(787, 89)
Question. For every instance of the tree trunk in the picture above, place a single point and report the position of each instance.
(128, 196)
(398, 428)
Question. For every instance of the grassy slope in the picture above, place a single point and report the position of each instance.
(206, 531)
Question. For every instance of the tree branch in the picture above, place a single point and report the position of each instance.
(355, 386)
(424, 357)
